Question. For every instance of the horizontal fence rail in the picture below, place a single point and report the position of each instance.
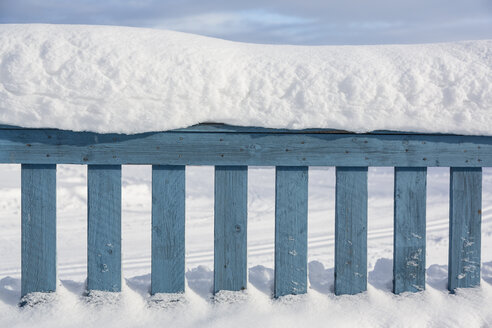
(244, 147)
(231, 150)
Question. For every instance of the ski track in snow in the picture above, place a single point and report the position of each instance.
(136, 212)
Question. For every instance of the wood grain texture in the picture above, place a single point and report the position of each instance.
(230, 227)
(244, 148)
(231, 149)
(291, 210)
(38, 198)
(104, 228)
(409, 229)
(465, 215)
(351, 230)
(168, 229)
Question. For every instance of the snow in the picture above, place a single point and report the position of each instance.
(130, 80)
(134, 307)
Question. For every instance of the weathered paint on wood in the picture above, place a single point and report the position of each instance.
(38, 198)
(291, 210)
(409, 229)
(241, 148)
(104, 228)
(351, 230)
(465, 214)
(232, 149)
(168, 229)
(230, 227)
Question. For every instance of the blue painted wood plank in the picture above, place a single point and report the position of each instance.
(409, 229)
(230, 227)
(351, 230)
(104, 228)
(465, 215)
(168, 229)
(291, 210)
(235, 148)
(38, 198)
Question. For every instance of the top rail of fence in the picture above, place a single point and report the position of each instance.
(219, 144)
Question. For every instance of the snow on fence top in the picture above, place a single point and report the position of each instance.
(130, 80)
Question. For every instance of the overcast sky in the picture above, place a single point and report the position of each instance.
(275, 21)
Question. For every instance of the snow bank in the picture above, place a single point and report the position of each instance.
(130, 80)
(134, 307)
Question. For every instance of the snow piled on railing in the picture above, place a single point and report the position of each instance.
(130, 80)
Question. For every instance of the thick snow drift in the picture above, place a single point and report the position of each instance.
(118, 79)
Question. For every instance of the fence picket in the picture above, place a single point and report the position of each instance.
(38, 198)
(465, 213)
(291, 209)
(168, 229)
(409, 229)
(351, 230)
(104, 227)
(230, 227)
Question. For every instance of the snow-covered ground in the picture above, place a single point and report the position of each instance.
(120, 79)
(378, 307)
(114, 79)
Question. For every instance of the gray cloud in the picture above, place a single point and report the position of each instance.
(275, 21)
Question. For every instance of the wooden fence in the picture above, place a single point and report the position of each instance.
(231, 150)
